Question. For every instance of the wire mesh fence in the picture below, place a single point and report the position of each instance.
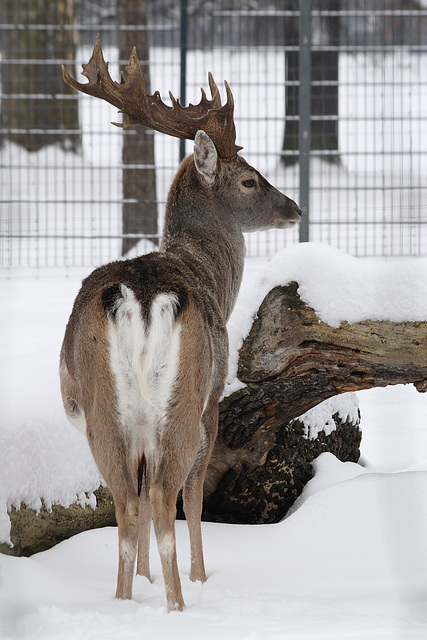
(330, 105)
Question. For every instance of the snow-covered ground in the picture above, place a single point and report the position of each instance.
(350, 563)
(351, 560)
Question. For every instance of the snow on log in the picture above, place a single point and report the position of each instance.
(34, 531)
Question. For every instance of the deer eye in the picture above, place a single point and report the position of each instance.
(248, 183)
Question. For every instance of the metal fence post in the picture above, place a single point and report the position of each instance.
(304, 129)
(183, 67)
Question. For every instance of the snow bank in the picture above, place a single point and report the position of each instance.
(44, 461)
(342, 288)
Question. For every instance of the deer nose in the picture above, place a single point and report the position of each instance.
(287, 213)
(292, 211)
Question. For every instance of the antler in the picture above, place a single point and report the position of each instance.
(131, 98)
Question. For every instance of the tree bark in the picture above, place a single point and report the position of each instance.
(45, 116)
(139, 209)
(257, 472)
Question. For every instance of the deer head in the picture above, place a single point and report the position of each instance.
(235, 185)
(240, 191)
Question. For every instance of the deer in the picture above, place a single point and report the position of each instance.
(144, 357)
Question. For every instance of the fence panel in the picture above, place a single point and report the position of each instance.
(357, 165)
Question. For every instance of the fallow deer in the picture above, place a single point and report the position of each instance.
(145, 351)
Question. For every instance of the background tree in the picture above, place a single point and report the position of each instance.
(324, 83)
(139, 211)
(34, 111)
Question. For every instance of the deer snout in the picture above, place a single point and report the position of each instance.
(287, 214)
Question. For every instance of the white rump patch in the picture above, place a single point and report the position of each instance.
(144, 360)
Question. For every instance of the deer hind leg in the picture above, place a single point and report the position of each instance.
(193, 499)
(177, 452)
(163, 501)
(193, 502)
(126, 503)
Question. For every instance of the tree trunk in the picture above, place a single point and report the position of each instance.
(324, 90)
(139, 212)
(34, 110)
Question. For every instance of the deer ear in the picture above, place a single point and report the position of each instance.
(205, 157)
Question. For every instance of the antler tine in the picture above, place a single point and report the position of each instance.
(100, 84)
(131, 98)
(199, 110)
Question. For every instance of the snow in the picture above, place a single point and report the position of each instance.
(349, 563)
(320, 417)
(342, 288)
(46, 462)
(350, 560)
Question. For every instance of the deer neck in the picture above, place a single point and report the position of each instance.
(206, 239)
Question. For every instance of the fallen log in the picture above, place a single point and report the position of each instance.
(33, 531)
(290, 362)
